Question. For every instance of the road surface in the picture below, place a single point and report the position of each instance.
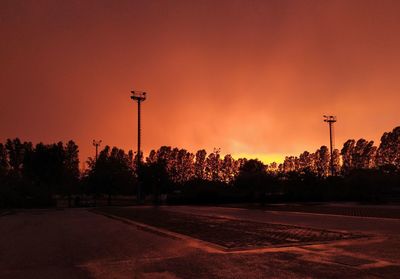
(77, 243)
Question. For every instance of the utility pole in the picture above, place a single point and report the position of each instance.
(96, 144)
(330, 119)
(138, 96)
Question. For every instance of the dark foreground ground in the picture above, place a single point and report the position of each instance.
(196, 242)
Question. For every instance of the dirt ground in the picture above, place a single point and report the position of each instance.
(77, 243)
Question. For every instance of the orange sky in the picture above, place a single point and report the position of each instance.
(251, 77)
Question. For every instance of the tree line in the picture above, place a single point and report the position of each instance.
(39, 175)
(32, 175)
(354, 155)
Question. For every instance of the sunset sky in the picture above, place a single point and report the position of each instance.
(252, 77)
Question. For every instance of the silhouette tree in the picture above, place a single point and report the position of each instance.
(289, 164)
(358, 155)
(111, 173)
(184, 166)
(347, 156)
(152, 158)
(5, 191)
(228, 169)
(131, 158)
(166, 155)
(307, 162)
(273, 167)
(200, 164)
(212, 169)
(3, 161)
(71, 170)
(16, 151)
(172, 165)
(240, 163)
(336, 161)
(388, 153)
(322, 161)
(155, 179)
(44, 170)
(280, 168)
(252, 166)
(363, 154)
(254, 180)
(33, 176)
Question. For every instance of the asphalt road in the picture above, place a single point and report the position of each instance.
(387, 226)
(76, 243)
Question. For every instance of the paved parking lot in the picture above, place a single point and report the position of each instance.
(77, 243)
(345, 209)
(227, 234)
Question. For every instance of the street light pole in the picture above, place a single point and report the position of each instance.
(139, 134)
(330, 119)
(139, 97)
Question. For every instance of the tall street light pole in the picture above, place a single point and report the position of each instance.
(139, 97)
(330, 119)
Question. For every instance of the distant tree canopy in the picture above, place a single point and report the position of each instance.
(255, 180)
(354, 155)
(32, 175)
(388, 153)
(111, 174)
